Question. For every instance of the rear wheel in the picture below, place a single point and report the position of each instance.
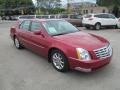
(59, 61)
(116, 26)
(87, 27)
(97, 26)
(17, 43)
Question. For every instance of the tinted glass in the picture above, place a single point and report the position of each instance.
(112, 16)
(58, 27)
(88, 16)
(35, 26)
(98, 16)
(104, 16)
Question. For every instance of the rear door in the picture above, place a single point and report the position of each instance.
(24, 33)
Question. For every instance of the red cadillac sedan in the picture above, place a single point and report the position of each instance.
(64, 45)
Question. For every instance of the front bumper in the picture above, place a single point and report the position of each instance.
(88, 66)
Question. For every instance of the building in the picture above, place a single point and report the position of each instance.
(95, 9)
(77, 6)
(86, 7)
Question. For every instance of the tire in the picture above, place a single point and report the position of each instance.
(59, 61)
(87, 27)
(97, 26)
(17, 43)
(116, 26)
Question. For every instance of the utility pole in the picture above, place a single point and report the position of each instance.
(68, 7)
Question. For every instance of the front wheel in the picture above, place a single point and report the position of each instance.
(59, 61)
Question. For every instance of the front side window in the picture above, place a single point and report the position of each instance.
(35, 26)
(59, 27)
(25, 25)
(112, 16)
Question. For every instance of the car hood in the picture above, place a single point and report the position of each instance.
(82, 40)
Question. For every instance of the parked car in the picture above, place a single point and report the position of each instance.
(97, 21)
(64, 45)
(6, 17)
(15, 17)
(73, 19)
(23, 17)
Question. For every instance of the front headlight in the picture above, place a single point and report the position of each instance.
(83, 54)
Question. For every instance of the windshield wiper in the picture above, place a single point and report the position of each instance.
(60, 34)
(64, 33)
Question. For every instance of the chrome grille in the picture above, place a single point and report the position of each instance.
(104, 52)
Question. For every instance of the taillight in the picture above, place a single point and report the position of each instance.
(12, 30)
(119, 20)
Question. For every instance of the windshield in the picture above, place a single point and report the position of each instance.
(59, 27)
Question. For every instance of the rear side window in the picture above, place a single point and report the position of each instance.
(88, 16)
(35, 26)
(104, 16)
(25, 25)
(98, 16)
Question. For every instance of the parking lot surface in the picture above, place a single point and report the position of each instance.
(25, 70)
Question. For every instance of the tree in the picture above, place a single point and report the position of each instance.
(113, 4)
(108, 2)
(49, 6)
(13, 6)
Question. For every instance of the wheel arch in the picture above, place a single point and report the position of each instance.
(56, 48)
(98, 23)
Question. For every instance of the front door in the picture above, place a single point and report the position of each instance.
(39, 43)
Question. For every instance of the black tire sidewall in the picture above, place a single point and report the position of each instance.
(20, 46)
(96, 25)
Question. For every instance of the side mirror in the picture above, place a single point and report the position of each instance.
(37, 32)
